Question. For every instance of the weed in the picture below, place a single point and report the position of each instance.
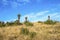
(28, 23)
(24, 31)
(32, 34)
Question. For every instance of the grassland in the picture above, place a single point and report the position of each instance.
(43, 32)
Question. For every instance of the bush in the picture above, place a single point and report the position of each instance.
(28, 23)
(17, 23)
(24, 31)
(10, 23)
(2, 24)
(32, 34)
(50, 22)
(40, 22)
(13, 23)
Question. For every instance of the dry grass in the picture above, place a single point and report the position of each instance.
(44, 32)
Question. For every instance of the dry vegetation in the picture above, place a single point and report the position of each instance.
(39, 31)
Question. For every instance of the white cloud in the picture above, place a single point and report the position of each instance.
(5, 2)
(11, 20)
(53, 16)
(23, 0)
(41, 16)
(41, 13)
(34, 16)
(56, 15)
(13, 3)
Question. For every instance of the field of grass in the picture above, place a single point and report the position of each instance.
(39, 31)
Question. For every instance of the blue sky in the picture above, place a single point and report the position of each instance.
(35, 10)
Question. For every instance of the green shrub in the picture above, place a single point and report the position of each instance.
(10, 23)
(13, 23)
(50, 22)
(32, 34)
(2, 24)
(17, 23)
(24, 31)
(28, 23)
(40, 22)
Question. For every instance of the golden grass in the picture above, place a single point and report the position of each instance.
(44, 32)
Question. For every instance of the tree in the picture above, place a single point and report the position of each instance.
(2, 24)
(26, 19)
(19, 18)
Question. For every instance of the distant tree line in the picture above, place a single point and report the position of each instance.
(26, 22)
(49, 21)
(2, 24)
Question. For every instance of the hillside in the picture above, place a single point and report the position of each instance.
(43, 32)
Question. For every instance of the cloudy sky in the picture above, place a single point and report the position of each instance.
(35, 10)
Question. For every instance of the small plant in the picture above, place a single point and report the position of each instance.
(2, 24)
(10, 23)
(32, 34)
(28, 23)
(13, 23)
(50, 22)
(40, 22)
(24, 31)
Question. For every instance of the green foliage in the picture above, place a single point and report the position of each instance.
(17, 23)
(40, 22)
(28, 23)
(32, 34)
(50, 22)
(9, 23)
(2, 24)
(24, 31)
(13, 23)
